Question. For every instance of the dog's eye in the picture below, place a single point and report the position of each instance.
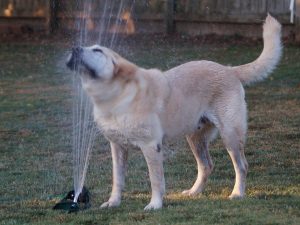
(97, 50)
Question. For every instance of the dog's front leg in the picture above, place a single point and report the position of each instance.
(154, 159)
(119, 159)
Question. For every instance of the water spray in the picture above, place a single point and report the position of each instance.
(84, 131)
(84, 128)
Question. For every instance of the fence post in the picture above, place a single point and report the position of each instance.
(170, 25)
(53, 24)
(297, 20)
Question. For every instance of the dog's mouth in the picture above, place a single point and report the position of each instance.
(75, 59)
(76, 63)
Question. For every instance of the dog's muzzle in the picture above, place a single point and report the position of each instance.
(75, 58)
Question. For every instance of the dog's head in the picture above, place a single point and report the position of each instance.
(94, 62)
(101, 69)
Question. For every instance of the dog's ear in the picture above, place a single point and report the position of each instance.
(124, 68)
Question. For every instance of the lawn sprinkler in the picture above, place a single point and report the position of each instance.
(68, 204)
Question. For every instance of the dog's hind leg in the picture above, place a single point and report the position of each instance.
(199, 142)
(235, 147)
(233, 133)
(119, 158)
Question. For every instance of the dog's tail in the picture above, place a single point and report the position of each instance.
(269, 58)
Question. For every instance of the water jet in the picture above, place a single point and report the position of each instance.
(84, 128)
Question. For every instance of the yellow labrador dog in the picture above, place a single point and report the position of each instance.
(141, 107)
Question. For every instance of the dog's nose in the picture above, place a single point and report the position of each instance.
(75, 58)
(77, 50)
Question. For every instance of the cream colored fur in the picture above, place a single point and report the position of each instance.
(135, 106)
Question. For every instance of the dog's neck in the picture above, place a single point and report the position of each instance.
(130, 96)
(114, 99)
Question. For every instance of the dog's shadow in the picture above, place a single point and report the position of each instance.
(266, 196)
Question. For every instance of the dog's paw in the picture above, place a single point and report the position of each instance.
(190, 192)
(235, 196)
(153, 206)
(110, 204)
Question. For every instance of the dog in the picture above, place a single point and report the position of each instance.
(198, 99)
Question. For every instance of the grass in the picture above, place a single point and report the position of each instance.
(35, 135)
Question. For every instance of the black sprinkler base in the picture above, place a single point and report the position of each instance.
(68, 204)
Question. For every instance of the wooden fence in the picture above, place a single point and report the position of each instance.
(24, 16)
(229, 17)
(234, 11)
(194, 17)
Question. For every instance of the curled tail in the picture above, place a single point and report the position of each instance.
(269, 58)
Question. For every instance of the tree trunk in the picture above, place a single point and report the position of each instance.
(297, 20)
(170, 24)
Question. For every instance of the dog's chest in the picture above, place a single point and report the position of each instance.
(125, 132)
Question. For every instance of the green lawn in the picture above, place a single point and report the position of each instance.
(36, 154)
